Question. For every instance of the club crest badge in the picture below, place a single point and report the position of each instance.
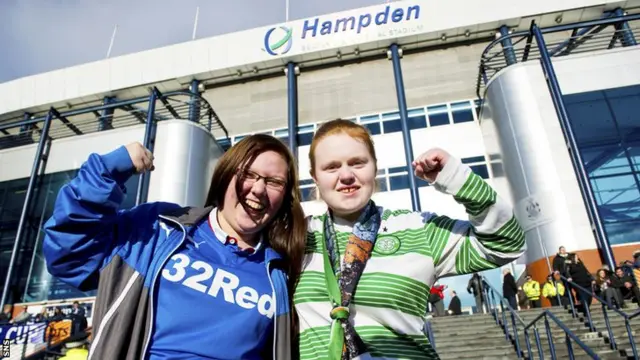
(387, 245)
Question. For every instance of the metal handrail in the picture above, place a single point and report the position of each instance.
(519, 36)
(489, 295)
(489, 289)
(627, 318)
(569, 336)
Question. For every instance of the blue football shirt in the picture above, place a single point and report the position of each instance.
(214, 301)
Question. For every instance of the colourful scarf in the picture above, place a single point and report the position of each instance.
(345, 343)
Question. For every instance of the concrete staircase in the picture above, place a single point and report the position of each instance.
(475, 337)
(479, 337)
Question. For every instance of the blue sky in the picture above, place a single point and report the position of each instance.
(44, 35)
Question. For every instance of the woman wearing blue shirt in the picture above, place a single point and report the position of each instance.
(184, 283)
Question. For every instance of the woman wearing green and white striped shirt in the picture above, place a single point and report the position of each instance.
(365, 284)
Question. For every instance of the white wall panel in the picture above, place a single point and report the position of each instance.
(461, 140)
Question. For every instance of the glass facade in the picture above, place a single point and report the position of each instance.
(31, 281)
(606, 124)
(396, 178)
(384, 123)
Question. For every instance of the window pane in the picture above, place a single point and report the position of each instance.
(481, 170)
(618, 201)
(397, 169)
(591, 118)
(382, 184)
(473, 159)
(438, 115)
(461, 112)
(307, 194)
(306, 182)
(626, 109)
(37, 284)
(370, 118)
(391, 126)
(391, 115)
(415, 111)
(305, 128)
(225, 143)
(282, 132)
(417, 122)
(305, 139)
(374, 128)
(634, 154)
(399, 182)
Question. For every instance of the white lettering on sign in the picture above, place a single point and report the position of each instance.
(223, 281)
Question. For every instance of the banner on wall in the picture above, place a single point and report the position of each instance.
(21, 334)
(19, 339)
(58, 331)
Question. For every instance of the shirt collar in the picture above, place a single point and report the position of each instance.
(224, 238)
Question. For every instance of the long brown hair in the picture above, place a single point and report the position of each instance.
(287, 231)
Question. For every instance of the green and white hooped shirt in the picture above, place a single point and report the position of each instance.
(412, 250)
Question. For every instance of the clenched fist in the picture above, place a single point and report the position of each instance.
(428, 165)
(142, 158)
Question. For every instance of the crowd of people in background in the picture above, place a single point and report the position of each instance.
(617, 287)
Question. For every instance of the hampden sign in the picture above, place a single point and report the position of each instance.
(278, 40)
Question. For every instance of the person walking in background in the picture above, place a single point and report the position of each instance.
(580, 275)
(455, 306)
(388, 257)
(551, 290)
(531, 290)
(436, 299)
(509, 288)
(224, 267)
(561, 261)
(475, 288)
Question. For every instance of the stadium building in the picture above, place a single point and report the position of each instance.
(540, 98)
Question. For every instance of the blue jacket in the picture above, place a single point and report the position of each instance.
(91, 244)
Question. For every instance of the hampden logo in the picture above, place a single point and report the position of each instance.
(278, 40)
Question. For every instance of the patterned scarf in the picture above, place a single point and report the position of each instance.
(344, 343)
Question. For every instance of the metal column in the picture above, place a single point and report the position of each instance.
(194, 106)
(292, 97)
(624, 30)
(395, 53)
(507, 45)
(574, 151)
(44, 135)
(107, 115)
(149, 138)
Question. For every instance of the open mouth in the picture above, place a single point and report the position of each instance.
(254, 206)
(349, 189)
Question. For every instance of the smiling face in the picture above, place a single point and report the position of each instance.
(254, 195)
(344, 173)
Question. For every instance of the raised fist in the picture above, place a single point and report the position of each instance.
(428, 165)
(142, 158)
